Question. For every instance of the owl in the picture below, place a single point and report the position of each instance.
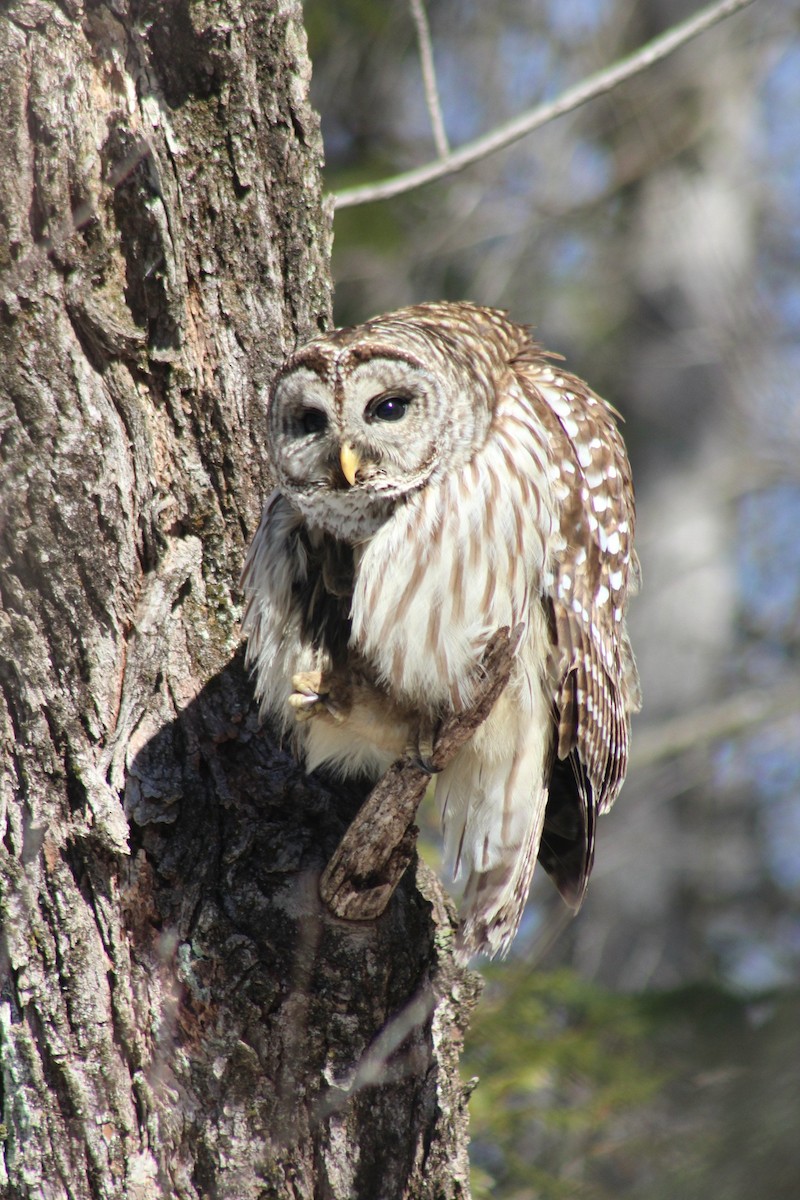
(440, 477)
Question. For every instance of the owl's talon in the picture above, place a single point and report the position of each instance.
(309, 699)
(420, 751)
(307, 683)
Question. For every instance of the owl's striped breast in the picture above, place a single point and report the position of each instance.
(459, 560)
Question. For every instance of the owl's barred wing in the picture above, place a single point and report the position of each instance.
(594, 675)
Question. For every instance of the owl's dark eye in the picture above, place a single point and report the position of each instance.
(313, 420)
(390, 408)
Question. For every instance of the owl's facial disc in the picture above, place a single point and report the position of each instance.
(350, 440)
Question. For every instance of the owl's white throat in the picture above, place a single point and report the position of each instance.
(349, 514)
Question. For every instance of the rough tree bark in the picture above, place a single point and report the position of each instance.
(179, 1016)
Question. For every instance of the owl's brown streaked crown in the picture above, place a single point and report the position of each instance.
(480, 342)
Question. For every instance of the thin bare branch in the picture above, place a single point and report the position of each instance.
(596, 85)
(429, 77)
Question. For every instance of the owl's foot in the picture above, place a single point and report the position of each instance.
(420, 747)
(312, 697)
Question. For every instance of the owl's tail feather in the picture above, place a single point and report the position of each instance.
(494, 901)
(493, 798)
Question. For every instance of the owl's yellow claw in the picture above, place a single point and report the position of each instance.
(311, 697)
(350, 462)
(308, 684)
(305, 699)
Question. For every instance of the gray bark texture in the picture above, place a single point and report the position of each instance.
(180, 1016)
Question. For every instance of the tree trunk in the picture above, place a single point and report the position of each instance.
(179, 1016)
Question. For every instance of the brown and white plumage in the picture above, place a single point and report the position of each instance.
(438, 478)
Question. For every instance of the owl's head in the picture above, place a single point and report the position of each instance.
(362, 418)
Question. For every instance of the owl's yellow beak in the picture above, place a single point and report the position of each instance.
(350, 460)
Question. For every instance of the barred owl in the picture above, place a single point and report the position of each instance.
(438, 477)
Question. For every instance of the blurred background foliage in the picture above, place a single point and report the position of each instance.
(651, 1047)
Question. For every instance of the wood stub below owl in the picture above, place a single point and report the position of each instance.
(439, 478)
